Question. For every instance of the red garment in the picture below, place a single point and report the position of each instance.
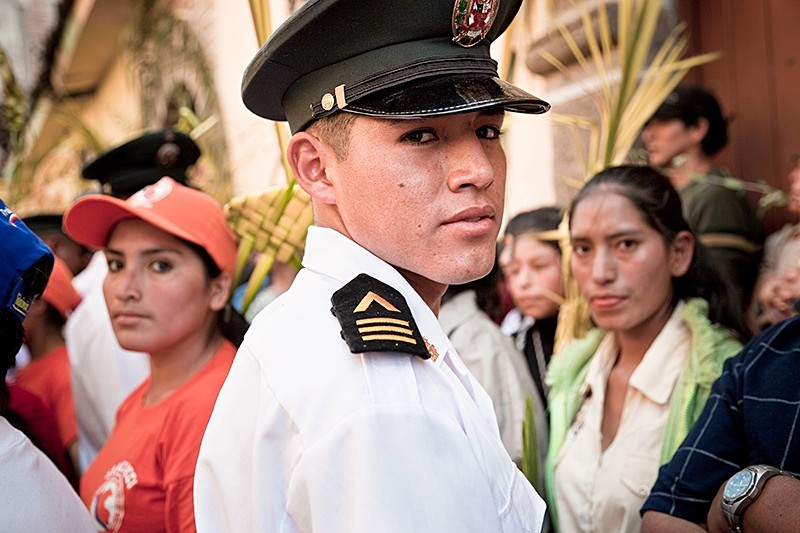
(29, 414)
(48, 377)
(142, 479)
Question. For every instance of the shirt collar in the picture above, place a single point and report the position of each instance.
(663, 362)
(331, 254)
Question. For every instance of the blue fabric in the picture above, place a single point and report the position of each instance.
(751, 418)
(21, 250)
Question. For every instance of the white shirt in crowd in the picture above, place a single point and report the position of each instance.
(37, 498)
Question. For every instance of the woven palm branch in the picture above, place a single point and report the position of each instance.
(273, 224)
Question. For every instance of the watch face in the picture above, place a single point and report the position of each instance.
(738, 485)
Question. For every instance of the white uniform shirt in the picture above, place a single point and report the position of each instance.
(603, 490)
(103, 374)
(307, 436)
(500, 368)
(36, 496)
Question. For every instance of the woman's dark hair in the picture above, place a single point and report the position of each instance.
(535, 221)
(689, 103)
(230, 322)
(659, 203)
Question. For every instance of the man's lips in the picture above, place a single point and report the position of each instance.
(473, 214)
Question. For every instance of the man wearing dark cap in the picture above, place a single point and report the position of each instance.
(103, 374)
(347, 408)
(682, 138)
(142, 161)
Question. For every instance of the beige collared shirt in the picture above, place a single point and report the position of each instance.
(602, 491)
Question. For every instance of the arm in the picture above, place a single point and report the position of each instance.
(774, 510)
(658, 522)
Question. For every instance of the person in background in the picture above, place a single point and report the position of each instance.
(48, 373)
(347, 408)
(778, 286)
(681, 139)
(738, 468)
(170, 260)
(48, 227)
(36, 496)
(103, 373)
(493, 359)
(623, 397)
(532, 271)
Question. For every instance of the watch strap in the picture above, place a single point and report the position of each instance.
(733, 510)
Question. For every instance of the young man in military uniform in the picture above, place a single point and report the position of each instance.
(347, 408)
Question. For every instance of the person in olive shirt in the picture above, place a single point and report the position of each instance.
(682, 138)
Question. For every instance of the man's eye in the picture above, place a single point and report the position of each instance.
(488, 132)
(580, 249)
(627, 244)
(419, 136)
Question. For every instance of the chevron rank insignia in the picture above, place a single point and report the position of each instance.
(376, 318)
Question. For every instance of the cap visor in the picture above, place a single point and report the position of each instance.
(91, 219)
(447, 95)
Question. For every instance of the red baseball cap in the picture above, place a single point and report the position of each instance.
(59, 291)
(176, 209)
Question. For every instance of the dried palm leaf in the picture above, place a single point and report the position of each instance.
(272, 224)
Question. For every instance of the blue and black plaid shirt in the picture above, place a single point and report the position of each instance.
(751, 418)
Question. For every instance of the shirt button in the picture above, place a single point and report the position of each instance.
(644, 491)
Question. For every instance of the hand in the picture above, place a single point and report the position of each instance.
(715, 521)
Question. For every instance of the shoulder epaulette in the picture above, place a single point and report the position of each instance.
(376, 318)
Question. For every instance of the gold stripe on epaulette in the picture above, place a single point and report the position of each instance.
(394, 329)
(372, 297)
(389, 338)
(399, 322)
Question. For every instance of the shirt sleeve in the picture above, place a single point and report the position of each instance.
(711, 453)
(392, 469)
(179, 507)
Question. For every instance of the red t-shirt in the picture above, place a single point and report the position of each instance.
(48, 377)
(142, 478)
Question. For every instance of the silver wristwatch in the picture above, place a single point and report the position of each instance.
(741, 491)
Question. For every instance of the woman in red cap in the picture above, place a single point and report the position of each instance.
(170, 259)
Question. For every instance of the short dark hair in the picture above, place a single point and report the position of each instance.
(689, 103)
(660, 205)
(335, 130)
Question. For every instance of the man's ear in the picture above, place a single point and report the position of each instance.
(700, 129)
(308, 156)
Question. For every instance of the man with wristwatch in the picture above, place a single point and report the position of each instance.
(736, 469)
